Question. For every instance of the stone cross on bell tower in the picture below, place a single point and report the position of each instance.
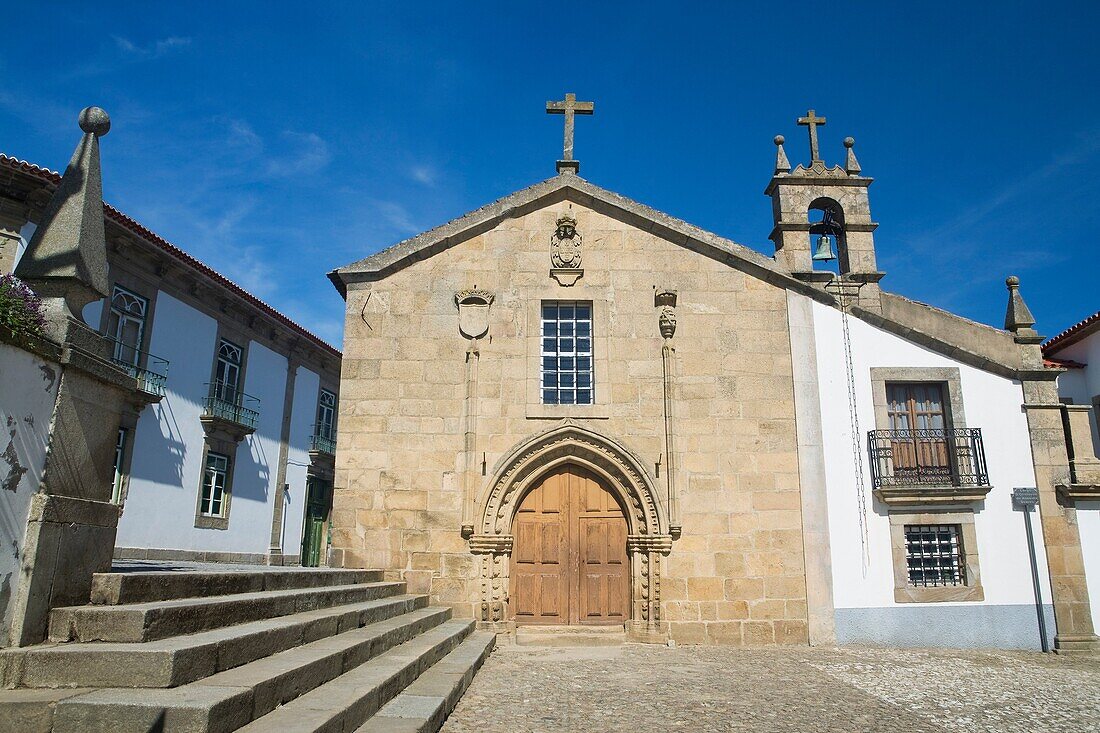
(811, 120)
(569, 107)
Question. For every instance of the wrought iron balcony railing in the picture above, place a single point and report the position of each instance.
(928, 458)
(324, 441)
(152, 377)
(226, 402)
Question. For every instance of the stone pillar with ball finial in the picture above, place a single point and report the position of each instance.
(70, 528)
(1054, 477)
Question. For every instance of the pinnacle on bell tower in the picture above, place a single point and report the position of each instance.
(822, 214)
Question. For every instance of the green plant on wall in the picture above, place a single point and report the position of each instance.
(20, 309)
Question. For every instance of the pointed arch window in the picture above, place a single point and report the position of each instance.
(126, 325)
(227, 377)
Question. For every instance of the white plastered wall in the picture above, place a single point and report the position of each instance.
(302, 416)
(28, 391)
(990, 402)
(168, 444)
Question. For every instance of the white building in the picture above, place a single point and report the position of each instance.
(1077, 350)
(229, 457)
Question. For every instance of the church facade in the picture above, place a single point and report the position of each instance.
(568, 408)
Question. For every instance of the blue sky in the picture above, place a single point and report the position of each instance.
(276, 141)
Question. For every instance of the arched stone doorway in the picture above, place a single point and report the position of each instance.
(569, 559)
(618, 472)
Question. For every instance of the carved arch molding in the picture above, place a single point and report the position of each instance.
(648, 539)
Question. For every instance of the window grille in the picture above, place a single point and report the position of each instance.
(933, 553)
(214, 481)
(567, 353)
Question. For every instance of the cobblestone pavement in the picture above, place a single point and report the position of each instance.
(640, 688)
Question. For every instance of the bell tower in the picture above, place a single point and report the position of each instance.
(816, 209)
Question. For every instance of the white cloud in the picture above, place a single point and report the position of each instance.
(310, 155)
(398, 217)
(423, 174)
(154, 50)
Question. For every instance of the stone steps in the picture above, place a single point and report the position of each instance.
(154, 620)
(146, 586)
(425, 704)
(231, 699)
(321, 655)
(348, 701)
(178, 660)
(568, 636)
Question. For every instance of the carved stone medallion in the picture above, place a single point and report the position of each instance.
(565, 252)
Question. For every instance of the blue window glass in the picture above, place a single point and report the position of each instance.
(567, 377)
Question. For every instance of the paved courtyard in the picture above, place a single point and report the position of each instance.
(641, 688)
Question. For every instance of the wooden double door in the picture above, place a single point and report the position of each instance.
(569, 561)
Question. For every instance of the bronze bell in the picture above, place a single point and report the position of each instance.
(824, 251)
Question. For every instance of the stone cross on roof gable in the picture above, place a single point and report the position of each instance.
(569, 107)
(811, 120)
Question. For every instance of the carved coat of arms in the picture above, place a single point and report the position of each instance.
(473, 312)
(565, 244)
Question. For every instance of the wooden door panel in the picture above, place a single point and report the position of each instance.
(569, 559)
(550, 543)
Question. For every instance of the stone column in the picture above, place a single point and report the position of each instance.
(473, 323)
(70, 531)
(647, 554)
(494, 553)
(1050, 455)
(276, 553)
(665, 300)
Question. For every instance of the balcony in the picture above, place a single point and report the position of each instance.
(323, 441)
(933, 466)
(225, 408)
(151, 378)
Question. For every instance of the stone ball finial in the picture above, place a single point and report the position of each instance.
(849, 142)
(779, 140)
(95, 120)
(1012, 281)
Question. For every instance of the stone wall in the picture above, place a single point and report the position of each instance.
(736, 575)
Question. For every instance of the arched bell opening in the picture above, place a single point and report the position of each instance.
(828, 242)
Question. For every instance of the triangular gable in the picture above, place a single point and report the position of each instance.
(550, 191)
(967, 341)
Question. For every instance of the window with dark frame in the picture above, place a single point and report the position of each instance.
(227, 377)
(326, 415)
(567, 373)
(126, 325)
(215, 478)
(934, 555)
(919, 438)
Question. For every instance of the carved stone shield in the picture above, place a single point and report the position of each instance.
(473, 312)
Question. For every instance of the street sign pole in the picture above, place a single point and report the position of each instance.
(1026, 498)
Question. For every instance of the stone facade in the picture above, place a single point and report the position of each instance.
(413, 470)
(733, 397)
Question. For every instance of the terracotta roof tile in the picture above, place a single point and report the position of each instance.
(1071, 334)
(156, 240)
(1062, 364)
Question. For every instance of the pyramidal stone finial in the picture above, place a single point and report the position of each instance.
(66, 258)
(851, 165)
(782, 165)
(1018, 318)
